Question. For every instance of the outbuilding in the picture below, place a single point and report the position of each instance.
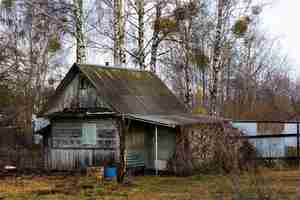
(95, 106)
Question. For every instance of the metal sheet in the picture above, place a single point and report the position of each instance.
(176, 120)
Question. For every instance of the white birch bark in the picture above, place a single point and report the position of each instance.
(155, 38)
(215, 60)
(81, 47)
(141, 38)
(118, 51)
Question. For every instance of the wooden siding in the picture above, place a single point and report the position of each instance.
(65, 151)
(71, 159)
(66, 98)
(135, 138)
(140, 139)
(166, 145)
(68, 135)
(79, 93)
(134, 143)
(88, 96)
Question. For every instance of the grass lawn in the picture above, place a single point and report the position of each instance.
(279, 184)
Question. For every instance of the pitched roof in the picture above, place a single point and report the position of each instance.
(128, 91)
(177, 120)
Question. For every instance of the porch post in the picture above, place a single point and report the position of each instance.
(156, 155)
(298, 144)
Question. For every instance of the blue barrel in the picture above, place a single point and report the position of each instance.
(110, 173)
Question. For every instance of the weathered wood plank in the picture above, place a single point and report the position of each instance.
(72, 159)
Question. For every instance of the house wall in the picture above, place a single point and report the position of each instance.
(79, 93)
(141, 140)
(66, 151)
(166, 145)
(135, 138)
(67, 96)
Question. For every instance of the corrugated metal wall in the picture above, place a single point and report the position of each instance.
(269, 147)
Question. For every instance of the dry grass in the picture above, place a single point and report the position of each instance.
(204, 187)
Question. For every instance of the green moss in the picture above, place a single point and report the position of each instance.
(54, 45)
(167, 25)
(8, 3)
(199, 58)
(241, 26)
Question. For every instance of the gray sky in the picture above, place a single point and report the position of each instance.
(281, 20)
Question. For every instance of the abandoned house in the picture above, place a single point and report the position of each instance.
(90, 104)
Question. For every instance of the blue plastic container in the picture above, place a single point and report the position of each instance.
(110, 173)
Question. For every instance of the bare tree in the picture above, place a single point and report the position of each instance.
(119, 35)
(141, 51)
(79, 33)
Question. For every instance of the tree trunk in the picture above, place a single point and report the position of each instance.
(203, 87)
(80, 48)
(214, 91)
(155, 38)
(141, 52)
(215, 62)
(187, 78)
(228, 79)
(182, 161)
(119, 54)
(187, 71)
(123, 130)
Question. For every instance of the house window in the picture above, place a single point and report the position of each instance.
(83, 83)
(89, 134)
(106, 133)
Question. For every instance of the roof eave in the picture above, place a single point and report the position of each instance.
(170, 125)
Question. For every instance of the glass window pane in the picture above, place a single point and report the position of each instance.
(89, 136)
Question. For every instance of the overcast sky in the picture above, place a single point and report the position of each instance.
(282, 20)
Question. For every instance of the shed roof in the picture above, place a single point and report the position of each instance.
(176, 119)
(128, 91)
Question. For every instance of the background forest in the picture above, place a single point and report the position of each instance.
(213, 54)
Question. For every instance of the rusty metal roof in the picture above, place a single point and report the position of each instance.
(176, 119)
(128, 91)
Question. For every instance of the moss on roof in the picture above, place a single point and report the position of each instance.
(130, 91)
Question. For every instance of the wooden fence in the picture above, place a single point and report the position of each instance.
(22, 158)
(17, 150)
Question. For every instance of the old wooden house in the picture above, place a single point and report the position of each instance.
(91, 102)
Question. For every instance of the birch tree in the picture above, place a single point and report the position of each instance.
(184, 16)
(215, 66)
(141, 33)
(79, 32)
(155, 36)
(119, 35)
(30, 39)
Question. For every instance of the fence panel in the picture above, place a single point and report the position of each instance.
(272, 139)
